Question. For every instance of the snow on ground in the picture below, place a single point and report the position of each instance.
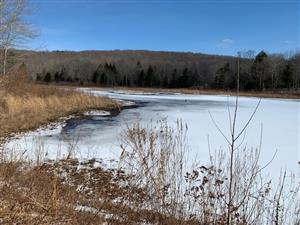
(97, 113)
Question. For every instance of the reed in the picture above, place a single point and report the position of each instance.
(29, 106)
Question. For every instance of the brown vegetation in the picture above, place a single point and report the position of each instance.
(64, 192)
(69, 192)
(230, 189)
(25, 106)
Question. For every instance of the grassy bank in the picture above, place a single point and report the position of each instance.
(28, 106)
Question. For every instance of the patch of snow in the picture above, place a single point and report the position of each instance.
(49, 129)
(82, 208)
(126, 103)
(97, 113)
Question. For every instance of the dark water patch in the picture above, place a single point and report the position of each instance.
(90, 122)
(84, 125)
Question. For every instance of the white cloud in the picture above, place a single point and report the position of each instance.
(228, 41)
(225, 43)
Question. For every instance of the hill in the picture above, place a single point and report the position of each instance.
(162, 69)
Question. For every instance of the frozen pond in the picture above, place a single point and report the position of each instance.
(98, 135)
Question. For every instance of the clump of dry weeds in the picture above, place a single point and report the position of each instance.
(156, 156)
(70, 192)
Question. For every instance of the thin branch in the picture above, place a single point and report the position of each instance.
(218, 128)
(229, 114)
(248, 122)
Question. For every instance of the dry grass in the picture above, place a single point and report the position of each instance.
(26, 107)
(69, 192)
(51, 193)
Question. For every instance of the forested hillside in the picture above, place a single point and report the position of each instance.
(163, 69)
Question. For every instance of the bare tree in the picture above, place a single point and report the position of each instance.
(14, 29)
(233, 167)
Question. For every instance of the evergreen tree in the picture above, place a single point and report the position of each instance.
(103, 79)
(260, 69)
(48, 77)
(183, 80)
(96, 77)
(38, 77)
(141, 78)
(287, 76)
(195, 78)
(173, 82)
(221, 76)
(63, 74)
(56, 77)
(149, 76)
(165, 82)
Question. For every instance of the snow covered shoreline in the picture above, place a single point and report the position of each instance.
(31, 141)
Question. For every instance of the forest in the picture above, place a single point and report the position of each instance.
(130, 68)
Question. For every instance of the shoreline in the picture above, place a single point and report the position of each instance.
(51, 125)
(35, 106)
(207, 92)
(112, 112)
(62, 122)
(193, 91)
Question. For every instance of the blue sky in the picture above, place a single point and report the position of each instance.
(214, 27)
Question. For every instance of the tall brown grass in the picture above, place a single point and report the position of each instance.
(156, 156)
(25, 106)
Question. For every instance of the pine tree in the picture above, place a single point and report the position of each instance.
(56, 77)
(63, 74)
(141, 79)
(173, 82)
(149, 76)
(103, 79)
(259, 69)
(38, 77)
(183, 80)
(96, 77)
(165, 82)
(48, 77)
(287, 76)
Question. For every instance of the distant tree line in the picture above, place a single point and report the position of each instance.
(182, 70)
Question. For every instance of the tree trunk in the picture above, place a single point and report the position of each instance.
(5, 61)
